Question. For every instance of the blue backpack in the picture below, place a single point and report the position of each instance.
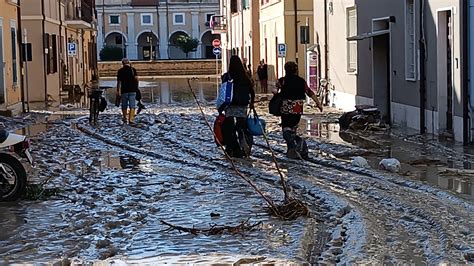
(225, 95)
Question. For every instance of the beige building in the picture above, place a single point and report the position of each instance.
(257, 27)
(62, 34)
(243, 38)
(10, 89)
(147, 29)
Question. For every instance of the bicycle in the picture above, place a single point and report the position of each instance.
(95, 96)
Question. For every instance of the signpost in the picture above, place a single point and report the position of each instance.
(216, 43)
(71, 49)
(282, 54)
(217, 52)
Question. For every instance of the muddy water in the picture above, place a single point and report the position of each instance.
(169, 91)
(117, 182)
(441, 165)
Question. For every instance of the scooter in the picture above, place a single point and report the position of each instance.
(12, 172)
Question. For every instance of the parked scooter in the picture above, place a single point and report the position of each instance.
(12, 172)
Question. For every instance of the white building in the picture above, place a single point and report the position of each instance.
(150, 27)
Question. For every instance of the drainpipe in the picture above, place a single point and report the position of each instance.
(60, 46)
(168, 28)
(422, 69)
(158, 55)
(326, 49)
(469, 75)
(44, 55)
(20, 41)
(295, 4)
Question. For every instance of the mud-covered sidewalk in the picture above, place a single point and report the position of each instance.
(116, 182)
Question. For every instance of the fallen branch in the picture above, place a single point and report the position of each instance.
(215, 229)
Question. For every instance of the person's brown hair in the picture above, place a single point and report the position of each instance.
(291, 68)
(237, 71)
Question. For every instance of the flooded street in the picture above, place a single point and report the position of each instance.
(115, 184)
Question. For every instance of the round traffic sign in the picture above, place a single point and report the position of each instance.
(216, 51)
(216, 43)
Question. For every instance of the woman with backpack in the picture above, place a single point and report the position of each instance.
(234, 129)
(293, 91)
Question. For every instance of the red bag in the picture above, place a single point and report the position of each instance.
(219, 138)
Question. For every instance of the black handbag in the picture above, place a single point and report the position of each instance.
(274, 107)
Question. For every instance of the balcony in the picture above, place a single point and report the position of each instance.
(144, 3)
(80, 14)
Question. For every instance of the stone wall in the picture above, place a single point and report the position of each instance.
(164, 68)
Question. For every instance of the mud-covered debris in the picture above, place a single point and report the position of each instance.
(391, 165)
(359, 161)
(215, 214)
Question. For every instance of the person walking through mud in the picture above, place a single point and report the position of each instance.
(293, 90)
(262, 73)
(234, 129)
(127, 86)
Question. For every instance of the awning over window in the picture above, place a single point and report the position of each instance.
(367, 35)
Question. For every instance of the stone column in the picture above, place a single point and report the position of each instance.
(100, 32)
(163, 36)
(132, 52)
(195, 31)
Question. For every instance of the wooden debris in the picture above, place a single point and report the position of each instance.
(215, 229)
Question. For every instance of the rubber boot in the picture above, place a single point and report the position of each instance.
(125, 116)
(131, 118)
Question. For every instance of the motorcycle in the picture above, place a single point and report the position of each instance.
(12, 172)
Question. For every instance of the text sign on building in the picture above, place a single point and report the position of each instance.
(281, 50)
(71, 49)
(216, 51)
(216, 43)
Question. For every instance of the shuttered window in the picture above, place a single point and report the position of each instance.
(351, 45)
(410, 44)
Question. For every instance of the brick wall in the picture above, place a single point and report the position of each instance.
(164, 68)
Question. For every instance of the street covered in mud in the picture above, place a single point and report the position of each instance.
(121, 192)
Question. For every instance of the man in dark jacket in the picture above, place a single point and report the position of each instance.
(127, 86)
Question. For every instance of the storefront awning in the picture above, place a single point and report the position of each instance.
(367, 35)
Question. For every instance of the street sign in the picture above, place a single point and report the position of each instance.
(71, 49)
(281, 50)
(216, 43)
(216, 51)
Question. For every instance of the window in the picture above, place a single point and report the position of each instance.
(114, 19)
(178, 19)
(147, 19)
(14, 58)
(54, 56)
(351, 28)
(233, 6)
(118, 39)
(410, 44)
(208, 17)
(245, 4)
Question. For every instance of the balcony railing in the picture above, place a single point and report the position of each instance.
(80, 15)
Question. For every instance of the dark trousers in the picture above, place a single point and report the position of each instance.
(233, 130)
(289, 124)
(138, 97)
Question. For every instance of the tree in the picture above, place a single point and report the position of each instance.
(111, 53)
(187, 44)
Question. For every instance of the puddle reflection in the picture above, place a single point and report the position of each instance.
(384, 146)
(169, 91)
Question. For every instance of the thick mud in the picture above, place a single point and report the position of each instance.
(118, 181)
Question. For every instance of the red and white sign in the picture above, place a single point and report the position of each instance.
(216, 43)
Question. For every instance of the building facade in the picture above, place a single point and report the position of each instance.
(405, 57)
(62, 36)
(243, 35)
(10, 83)
(257, 27)
(149, 29)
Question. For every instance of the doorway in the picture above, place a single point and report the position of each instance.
(2, 66)
(445, 71)
(381, 75)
